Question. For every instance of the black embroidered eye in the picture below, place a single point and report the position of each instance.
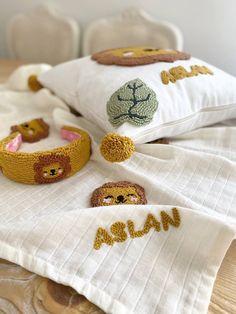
(108, 196)
(25, 125)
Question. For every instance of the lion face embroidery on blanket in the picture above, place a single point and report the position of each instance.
(118, 193)
(138, 56)
(32, 131)
(52, 168)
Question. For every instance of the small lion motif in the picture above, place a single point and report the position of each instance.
(134, 56)
(118, 193)
(32, 131)
(51, 168)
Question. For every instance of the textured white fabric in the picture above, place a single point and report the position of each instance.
(183, 106)
(217, 140)
(50, 229)
(166, 272)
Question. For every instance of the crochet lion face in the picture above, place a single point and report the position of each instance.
(118, 193)
(52, 168)
(32, 131)
(138, 56)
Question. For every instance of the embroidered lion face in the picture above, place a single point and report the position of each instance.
(51, 168)
(118, 193)
(138, 56)
(32, 131)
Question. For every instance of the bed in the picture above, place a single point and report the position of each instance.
(24, 291)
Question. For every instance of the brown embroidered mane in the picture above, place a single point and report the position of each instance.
(52, 168)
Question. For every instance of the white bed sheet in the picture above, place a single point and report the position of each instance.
(50, 229)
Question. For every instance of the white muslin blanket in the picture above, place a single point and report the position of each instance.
(51, 229)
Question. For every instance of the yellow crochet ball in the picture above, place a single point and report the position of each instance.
(33, 83)
(116, 148)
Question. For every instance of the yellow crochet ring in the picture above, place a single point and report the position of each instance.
(46, 166)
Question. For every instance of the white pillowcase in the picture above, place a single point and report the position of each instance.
(184, 105)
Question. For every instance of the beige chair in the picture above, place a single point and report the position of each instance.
(133, 27)
(43, 36)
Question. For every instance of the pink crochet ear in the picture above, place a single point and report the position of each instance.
(14, 144)
(69, 135)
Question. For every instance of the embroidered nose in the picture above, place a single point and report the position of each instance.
(52, 172)
(30, 131)
(120, 198)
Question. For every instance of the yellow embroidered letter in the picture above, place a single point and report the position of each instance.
(166, 219)
(197, 69)
(118, 230)
(166, 77)
(179, 72)
(102, 236)
(151, 222)
(132, 232)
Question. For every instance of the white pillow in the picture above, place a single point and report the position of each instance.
(170, 109)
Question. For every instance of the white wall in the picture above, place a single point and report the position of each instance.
(209, 26)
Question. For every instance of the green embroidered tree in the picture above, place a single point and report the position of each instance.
(134, 102)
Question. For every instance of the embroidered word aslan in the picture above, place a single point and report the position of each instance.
(120, 231)
(179, 73)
